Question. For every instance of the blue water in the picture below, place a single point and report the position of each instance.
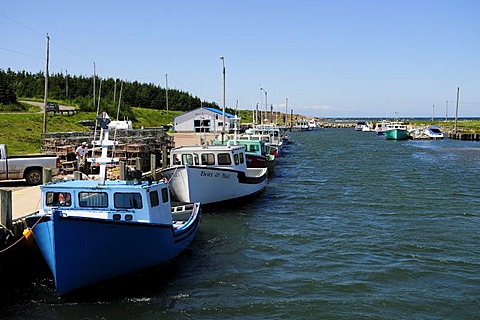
(351, 226)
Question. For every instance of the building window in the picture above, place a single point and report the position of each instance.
(201, 126)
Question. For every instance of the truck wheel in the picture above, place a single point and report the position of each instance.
(34, 177)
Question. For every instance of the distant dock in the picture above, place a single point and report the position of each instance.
(464, 136)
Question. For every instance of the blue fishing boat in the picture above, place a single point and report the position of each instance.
(93, 230)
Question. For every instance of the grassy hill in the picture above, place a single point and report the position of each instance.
(22, 131)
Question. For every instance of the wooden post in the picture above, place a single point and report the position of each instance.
(138, 163)
(6, 208)
(47, 175)
(164, 157)
(153, 166)
(77, 175)
(122, 170)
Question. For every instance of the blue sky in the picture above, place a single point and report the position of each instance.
(328, 58)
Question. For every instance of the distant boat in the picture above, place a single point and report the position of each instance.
(368, 127)
(211, 174)
(312, 125)
(89, 231)
(380, 127)
(396, 131)
(359, 126)
(433, 132)
(259, 154)
(273, 131)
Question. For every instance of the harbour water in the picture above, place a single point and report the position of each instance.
(351, 226)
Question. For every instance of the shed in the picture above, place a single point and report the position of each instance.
(204, 120)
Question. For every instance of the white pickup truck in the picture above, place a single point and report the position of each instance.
(28, 167)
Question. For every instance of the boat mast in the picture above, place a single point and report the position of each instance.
(103, 120)
(45, 98)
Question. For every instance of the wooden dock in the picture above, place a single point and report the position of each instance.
(464, 136)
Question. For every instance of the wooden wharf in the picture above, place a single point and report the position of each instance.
(464, 136)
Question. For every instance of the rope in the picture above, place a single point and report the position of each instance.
(23, 236)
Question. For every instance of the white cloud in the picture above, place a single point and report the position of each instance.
(317, 107)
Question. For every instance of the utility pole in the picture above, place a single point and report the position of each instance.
(433, 113)
(446, 111)
(115, 92)
(286, 111)
(94, 76)
(45, 96)
(166, 89)
(223, 63)
(66, 83)
(456, 112)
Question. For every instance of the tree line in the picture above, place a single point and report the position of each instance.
(78, 91)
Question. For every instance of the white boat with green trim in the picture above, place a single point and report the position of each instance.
(396, 130)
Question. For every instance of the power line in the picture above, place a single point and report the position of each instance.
(23, 25)
(21, 53)
(42, 35)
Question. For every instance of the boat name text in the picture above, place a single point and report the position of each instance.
(215, 174)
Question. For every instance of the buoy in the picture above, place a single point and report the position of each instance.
(28, 239)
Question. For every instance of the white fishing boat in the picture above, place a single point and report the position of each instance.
(368, 127)
(359, 126)
(211, 174)
(273, 131)
(380, 127)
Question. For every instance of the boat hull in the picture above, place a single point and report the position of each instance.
(83, 251)
(396, 134)
(210, 185)
(256, 161)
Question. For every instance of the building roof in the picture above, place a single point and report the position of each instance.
(213, 110)
(219, 112)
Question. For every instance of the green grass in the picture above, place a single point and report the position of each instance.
(464, 126)
(22, 131)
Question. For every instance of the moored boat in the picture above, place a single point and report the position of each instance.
(433, 132)
(211, 174)
(396, 130)
(359, 126)
(380, 127)
(368, 127)
(259, 154)
(93, 230)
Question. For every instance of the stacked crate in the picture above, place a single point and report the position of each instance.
(131, 144)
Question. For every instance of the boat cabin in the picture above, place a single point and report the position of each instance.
(222, 156)
(115, 200)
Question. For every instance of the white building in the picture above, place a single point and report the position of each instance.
(202, 120)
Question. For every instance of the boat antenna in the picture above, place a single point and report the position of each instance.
(118, 114)
(98, 111)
